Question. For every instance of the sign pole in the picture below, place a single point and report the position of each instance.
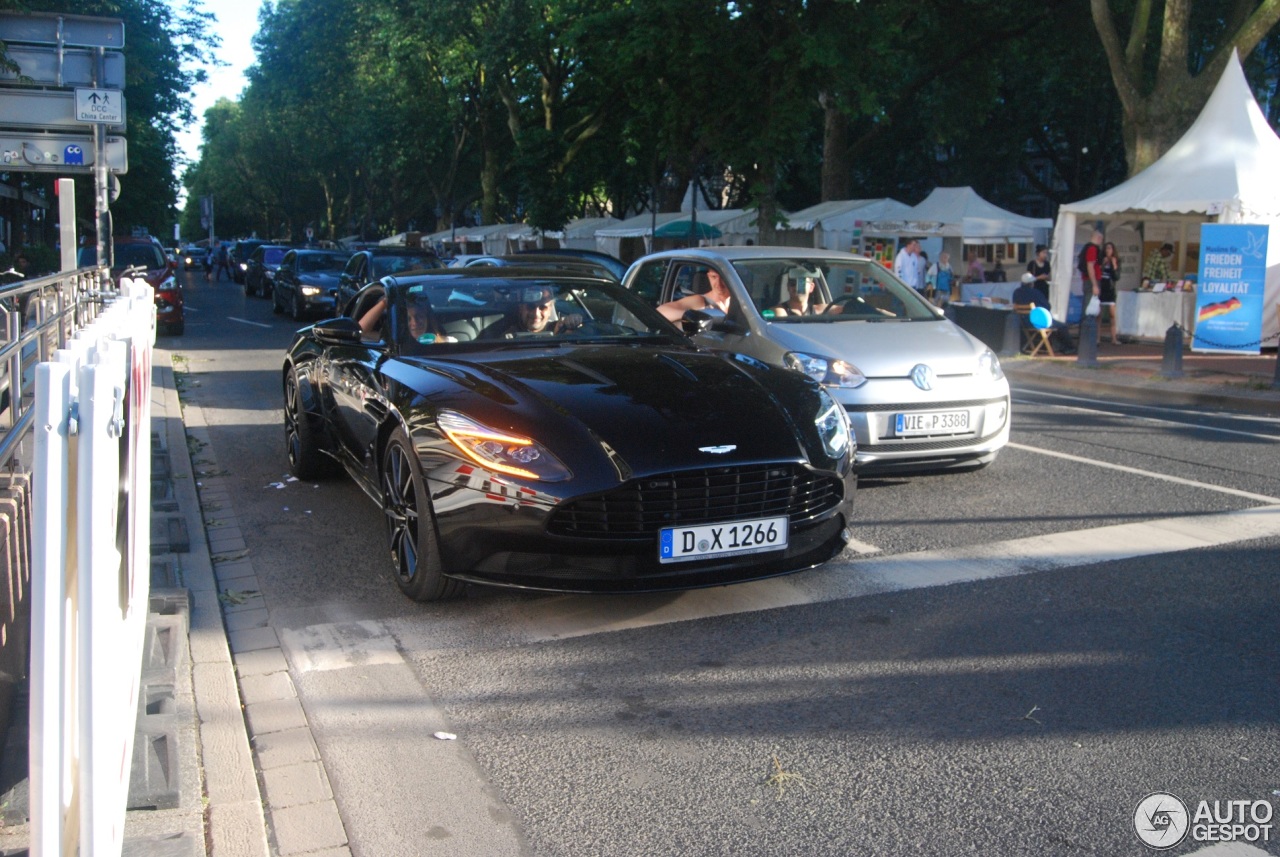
(101, 190)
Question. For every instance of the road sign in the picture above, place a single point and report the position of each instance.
(58, 153)
(41, 64)
(49, 109)
(100, 106)
(78, 31)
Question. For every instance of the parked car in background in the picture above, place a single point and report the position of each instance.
(238, 256)
(921, 393)
(614, 264)
(545, 262)
(260, 272)
(144, 257)
(373, 263)
(554, 432)
(306, 282)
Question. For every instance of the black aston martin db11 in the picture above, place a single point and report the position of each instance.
(549, 430)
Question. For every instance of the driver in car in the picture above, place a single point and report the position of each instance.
(535, 314)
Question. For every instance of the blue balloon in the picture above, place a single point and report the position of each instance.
(1041, 318)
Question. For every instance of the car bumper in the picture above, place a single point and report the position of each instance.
(881, 448)
(169, 306)
(498, 535)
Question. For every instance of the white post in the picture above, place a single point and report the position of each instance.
(49, 743)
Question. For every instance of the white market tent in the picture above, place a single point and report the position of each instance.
(736, 225)
(1225, 169)
(958, 212)
(581, 234)
(836, 224)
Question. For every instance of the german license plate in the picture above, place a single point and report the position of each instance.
(681, 544)
(932, 422)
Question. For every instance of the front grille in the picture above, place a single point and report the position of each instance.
(641, 507)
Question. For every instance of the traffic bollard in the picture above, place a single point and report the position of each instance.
(1171, 365)
(1087, 346)
(1275, 381)
(1012, 341)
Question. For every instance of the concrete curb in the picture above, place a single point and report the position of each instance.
(235, 825)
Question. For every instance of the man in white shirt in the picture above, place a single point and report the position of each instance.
(907, 264)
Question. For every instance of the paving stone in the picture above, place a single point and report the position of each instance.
(242, 619)
(293, 785)
(275, 716)
(260, 662)
(290, 747)
(252, 638)
(309, 827)
(266, 688)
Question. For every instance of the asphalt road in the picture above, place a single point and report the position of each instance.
(1007, 663)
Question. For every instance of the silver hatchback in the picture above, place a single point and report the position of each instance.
(921, 393)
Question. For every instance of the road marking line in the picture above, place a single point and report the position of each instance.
(336, 646)
(246, 321)
(1250, 418)
(1248, 495)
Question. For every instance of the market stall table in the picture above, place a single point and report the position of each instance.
(987, 323)
(1149, 315)
(970, 292)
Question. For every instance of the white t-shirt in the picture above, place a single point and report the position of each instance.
(907, 267)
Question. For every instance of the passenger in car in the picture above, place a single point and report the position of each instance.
(716, 296)
(802, 297)
(534, 314)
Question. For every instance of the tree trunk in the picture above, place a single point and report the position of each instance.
(837, 172)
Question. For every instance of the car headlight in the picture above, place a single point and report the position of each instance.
(989, 365)
(244, 266)
(833, 426)
(502, 451)
(825, 370)
(311, 291)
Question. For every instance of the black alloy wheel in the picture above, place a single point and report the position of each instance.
(306, 460)
(415, 552)
(296, 310)
(275, 301)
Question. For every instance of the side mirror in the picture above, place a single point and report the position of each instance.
(337, 331)
(695, 321)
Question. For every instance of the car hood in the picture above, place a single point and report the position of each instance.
(885, 349)
(648, 409)
(324, 279)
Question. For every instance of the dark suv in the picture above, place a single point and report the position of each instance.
(373, 263)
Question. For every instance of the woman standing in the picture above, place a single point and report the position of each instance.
(942, 278)
(1110, 275)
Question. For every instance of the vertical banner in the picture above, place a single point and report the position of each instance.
(1229, 295)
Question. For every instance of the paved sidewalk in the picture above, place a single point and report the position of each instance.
(1137, 372)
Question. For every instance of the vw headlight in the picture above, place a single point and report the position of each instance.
(833, 426)
(989, 365)
(502, 451)
(311, 291)
(825, 370)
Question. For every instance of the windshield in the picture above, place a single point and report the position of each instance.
(384, 265)
(806, 290)
(273, 255)
(317, 262)
(517, 310)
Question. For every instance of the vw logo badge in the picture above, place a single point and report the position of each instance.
(922, 376)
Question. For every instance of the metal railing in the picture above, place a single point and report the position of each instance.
(37, 317)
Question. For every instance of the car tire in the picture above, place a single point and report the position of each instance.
(295, 309)
(411, 528)
(249, 290)
(176, 329)
(306, 458)
(275, 302)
